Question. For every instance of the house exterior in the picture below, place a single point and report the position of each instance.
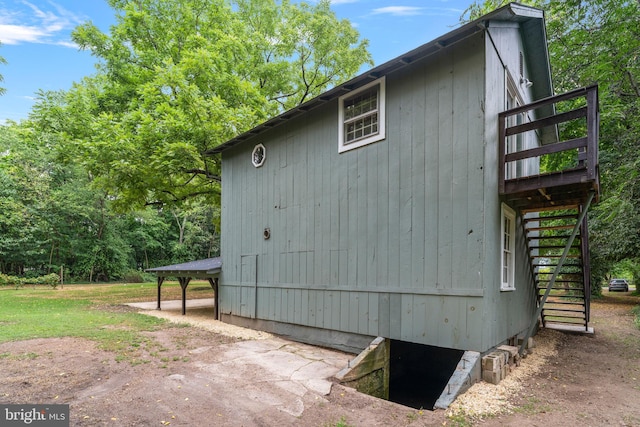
(377, 209)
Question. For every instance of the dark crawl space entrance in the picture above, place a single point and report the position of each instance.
(419, 373)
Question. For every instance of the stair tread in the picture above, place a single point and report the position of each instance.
(564, 310)
(565, 302)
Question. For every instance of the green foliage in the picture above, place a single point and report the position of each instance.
(52, 280)
(179, 78)
(51, 216)
(133, 276)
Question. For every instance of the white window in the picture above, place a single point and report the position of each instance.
(362, 116)
(516, 142)
(508, 234)
(521, 141)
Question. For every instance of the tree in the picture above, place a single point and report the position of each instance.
(178, 78)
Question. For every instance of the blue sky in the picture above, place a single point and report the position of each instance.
(36, 42)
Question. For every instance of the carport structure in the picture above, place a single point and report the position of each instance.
(201, 269)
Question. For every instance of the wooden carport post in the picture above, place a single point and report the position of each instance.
(160, 280)
(184, 282)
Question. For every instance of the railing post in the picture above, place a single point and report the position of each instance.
(592, 132)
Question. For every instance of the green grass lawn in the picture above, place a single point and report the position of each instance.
(87, 311)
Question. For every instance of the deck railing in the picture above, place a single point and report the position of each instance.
(539, 122)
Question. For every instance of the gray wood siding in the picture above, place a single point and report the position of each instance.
(507, 313)
(395, 239)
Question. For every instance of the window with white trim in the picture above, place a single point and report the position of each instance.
(362, 116)
(508, 262)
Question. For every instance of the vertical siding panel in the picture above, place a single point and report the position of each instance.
(406, 200)
(418, 181)
(381, 240)
(312, 308)
(291, 302)
(441, 319)
(318, 207)
(345, 311)
(304, 307)
(420, 304)
(353, 311)
(395, 316)
(361, 219)
(352, 201)
(363, 313)
(406, 327)
(343, 219)
(309, 206)
(271, 301)
(297, 306)
(282, 267)
(384, 320)
(373, 315)
(462, 170)
(311, 256)
(333, 192)
(432, 172)
(320, 297)
(335, 312)
(302, 266)
(445, 178)
(326, 204)
(335, 267)
(475, 187)
(393, 248)
(370, 237)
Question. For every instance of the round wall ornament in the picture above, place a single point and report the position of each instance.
(258, 155)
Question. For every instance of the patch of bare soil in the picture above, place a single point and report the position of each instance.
(587, 381)
(568, 380)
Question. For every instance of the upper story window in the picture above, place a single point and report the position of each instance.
(362, 116)
(521, 141)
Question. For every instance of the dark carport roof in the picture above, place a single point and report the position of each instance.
(201, 268)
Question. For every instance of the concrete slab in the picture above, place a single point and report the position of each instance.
(277, 372)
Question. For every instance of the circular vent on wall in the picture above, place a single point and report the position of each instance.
(258, 155)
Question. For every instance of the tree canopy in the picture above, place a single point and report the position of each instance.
(178, 78)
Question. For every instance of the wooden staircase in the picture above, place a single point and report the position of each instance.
(564, 300)
(553, 203)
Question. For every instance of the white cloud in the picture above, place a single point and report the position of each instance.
(33, 24)
(415, 10)
(398, 10)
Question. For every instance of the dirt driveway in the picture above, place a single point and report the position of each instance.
(191, 379)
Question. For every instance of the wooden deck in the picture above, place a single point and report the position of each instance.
(555, 187)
